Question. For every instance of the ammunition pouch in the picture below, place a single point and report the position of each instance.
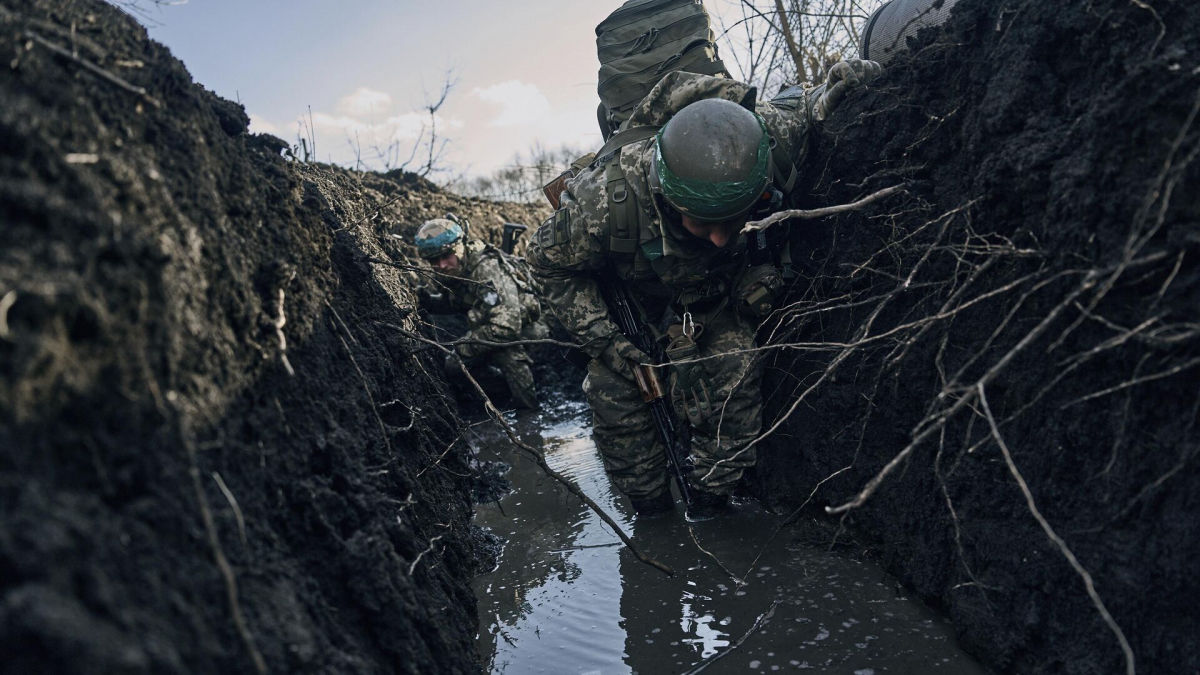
(759, 291)
(681, 349)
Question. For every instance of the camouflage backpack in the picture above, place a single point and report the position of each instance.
(640, 43)
(643, 40)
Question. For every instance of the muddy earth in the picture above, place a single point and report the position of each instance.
(220, 451)
(1025, 313)
(224, 446)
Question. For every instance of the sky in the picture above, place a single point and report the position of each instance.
(523, 72)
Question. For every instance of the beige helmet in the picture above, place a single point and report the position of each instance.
(440, 236)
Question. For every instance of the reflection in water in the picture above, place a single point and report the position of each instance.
(568, 598)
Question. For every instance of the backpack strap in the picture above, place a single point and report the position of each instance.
(625, 137)
(622, 211)
(783, 171)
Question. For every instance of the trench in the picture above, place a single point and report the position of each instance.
(566, 596)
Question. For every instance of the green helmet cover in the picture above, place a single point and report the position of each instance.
(715, 200)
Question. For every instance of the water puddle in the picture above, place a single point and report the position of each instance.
(567, 597)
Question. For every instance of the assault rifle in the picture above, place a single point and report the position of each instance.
(620, 305)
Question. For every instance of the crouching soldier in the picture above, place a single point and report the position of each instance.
(659, 211)
(497, 296)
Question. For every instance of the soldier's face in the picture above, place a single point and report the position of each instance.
(447, 263)
(719, 234)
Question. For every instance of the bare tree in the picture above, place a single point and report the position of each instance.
(775, 43)
(522, 179)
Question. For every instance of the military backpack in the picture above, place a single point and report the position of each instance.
(643, 40)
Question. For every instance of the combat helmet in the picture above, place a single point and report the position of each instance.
(435, 238)
(712, 160)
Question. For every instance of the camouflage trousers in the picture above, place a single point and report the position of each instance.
(720, 398)
(513, 363)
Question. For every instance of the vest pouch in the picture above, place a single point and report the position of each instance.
(681, 349)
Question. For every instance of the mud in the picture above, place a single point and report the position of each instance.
(1046, 249)
(220, 451)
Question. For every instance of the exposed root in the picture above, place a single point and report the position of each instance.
(214, 542)
(233, 504)
(279, 323)
(1057, 540)
(6, 303)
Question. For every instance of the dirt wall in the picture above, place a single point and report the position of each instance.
(219, 453)
(1025, 312)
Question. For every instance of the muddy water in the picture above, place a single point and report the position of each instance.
(567, 597)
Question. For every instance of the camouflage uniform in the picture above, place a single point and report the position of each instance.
(500, 307)
(668, 271)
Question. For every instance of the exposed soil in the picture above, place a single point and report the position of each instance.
(1048, 250)
(183, 490)
(172, 497)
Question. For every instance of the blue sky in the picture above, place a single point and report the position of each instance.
(525, 72)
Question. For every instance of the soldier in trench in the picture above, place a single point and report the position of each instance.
(496, 295)
(663, 215)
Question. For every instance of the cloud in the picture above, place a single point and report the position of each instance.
(364, 102)
(259, 125)
(519, 103)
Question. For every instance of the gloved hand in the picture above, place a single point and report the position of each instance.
(619, 355)
(469, 349)
(844, 76)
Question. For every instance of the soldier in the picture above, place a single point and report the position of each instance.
(496, 296)
(662, 214)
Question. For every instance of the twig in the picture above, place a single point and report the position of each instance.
(758, 623)
(413, 567)
(371, 399)
(214, 542)
(1134, 382)
(739, 581)
(233, 503)
(494, 412)
(788, 521)
(1058, 541)
(756, 225)
(93, 68)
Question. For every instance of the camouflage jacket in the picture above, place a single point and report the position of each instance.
(577, 247)
(498, 302)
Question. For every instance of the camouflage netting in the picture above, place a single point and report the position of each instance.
(218, 453)
(1036, 285)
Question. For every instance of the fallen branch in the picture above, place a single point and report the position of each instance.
(495, 414)
(758, 623)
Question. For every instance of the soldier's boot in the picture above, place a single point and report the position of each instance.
(706, 505)
(521, 386)
(523, 397)
(650, 507)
